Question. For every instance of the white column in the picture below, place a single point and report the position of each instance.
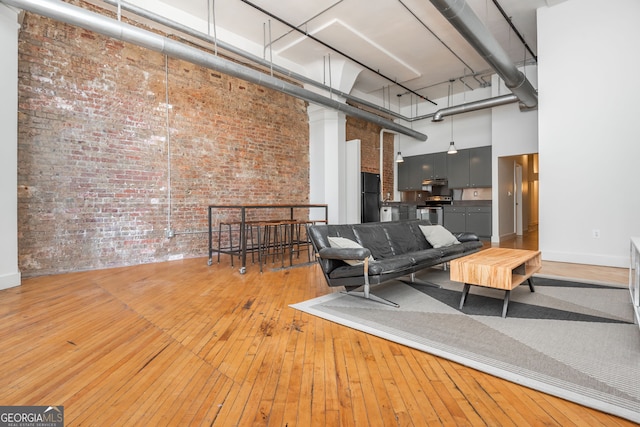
(327, 158)
(9, 273)
(327, 141)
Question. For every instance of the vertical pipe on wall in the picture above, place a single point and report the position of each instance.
(168, 130)
(382, 131)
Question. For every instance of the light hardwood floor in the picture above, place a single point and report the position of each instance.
(182, 343)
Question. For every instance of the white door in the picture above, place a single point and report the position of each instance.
(353, 182)
(518, 199)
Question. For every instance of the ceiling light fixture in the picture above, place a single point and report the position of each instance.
(452, 147)
(399, 158)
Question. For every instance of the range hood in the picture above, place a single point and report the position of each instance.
(435, 181)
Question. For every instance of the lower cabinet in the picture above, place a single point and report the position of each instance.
(473, 219)
(455, 219)
(634, 276)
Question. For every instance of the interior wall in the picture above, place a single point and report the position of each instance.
(469, 129)
(513, 133)
(106, 166)
(588, 131)
(9, 273)
(369, 135)
(509, 131)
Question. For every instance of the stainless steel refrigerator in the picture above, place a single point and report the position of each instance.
(370, 211)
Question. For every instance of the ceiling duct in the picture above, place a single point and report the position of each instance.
(146, 14)
(474, 106)
(467, 23)
(82, 18)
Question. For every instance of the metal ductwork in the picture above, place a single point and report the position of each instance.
(248, 56)
(463, 19)
(82, 18)
(474, 106)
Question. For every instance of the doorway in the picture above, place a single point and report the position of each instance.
(518, 199)
(517, 193)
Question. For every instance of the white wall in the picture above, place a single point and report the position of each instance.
(513, 133)
(9, 274)
(589, 130)
(469, 130)
(508, 130)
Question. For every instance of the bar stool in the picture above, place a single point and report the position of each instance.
(268, 240)
(230, 249)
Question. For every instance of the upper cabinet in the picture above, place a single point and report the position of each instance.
(465, 169)
(434, 166)
(458, 169)
(409, 173)
(470, 168)
(480, 167)
(416, 169)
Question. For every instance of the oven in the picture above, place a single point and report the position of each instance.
(433, 210)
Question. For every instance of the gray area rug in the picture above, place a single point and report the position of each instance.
(574, 340)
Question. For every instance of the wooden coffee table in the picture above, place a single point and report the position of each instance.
(498, 268)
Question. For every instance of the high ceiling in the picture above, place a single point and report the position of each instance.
(401, 45)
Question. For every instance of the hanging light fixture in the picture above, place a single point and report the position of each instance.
(452, 147)
(399, 158)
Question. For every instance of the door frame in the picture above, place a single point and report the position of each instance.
(517, 200)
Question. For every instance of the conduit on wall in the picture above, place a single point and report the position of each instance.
(82, 18)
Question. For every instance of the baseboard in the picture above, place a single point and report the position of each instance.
(10, 281)
(508, 236)
(582, 258)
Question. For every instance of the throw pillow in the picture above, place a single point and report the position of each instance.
(438, 236)
(342, 242)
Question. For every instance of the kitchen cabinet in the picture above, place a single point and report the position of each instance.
(416, 169)
(634, 277)
(434, 166)
(455, 219)
(410, 173)
(480, 167)
(458, 169)
(479, 220)
(470, 168)
(473, 219)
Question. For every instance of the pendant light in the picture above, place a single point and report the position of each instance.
(452, 147)
(399, 158)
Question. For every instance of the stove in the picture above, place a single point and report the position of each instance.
(438, 200)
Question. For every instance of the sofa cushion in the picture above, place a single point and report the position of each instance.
(376, 267)
(438, 236)
(374, 238)
(342, 242)
(426, 255)
(401, 237)
(448, 251)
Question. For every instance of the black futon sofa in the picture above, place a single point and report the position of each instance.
(398, 248)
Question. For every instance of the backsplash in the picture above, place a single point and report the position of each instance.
(472, 194)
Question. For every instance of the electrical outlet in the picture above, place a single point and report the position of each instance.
(596, 233)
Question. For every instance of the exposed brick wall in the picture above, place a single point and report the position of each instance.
(369, 135)
(94, 157)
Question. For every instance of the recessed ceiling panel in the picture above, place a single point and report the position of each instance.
(408, 41)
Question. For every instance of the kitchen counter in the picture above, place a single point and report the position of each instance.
(392, 203)
(398, 210)
(464, 203)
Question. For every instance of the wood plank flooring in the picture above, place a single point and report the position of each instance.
(183, 343)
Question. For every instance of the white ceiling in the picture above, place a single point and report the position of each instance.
(408, 41)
